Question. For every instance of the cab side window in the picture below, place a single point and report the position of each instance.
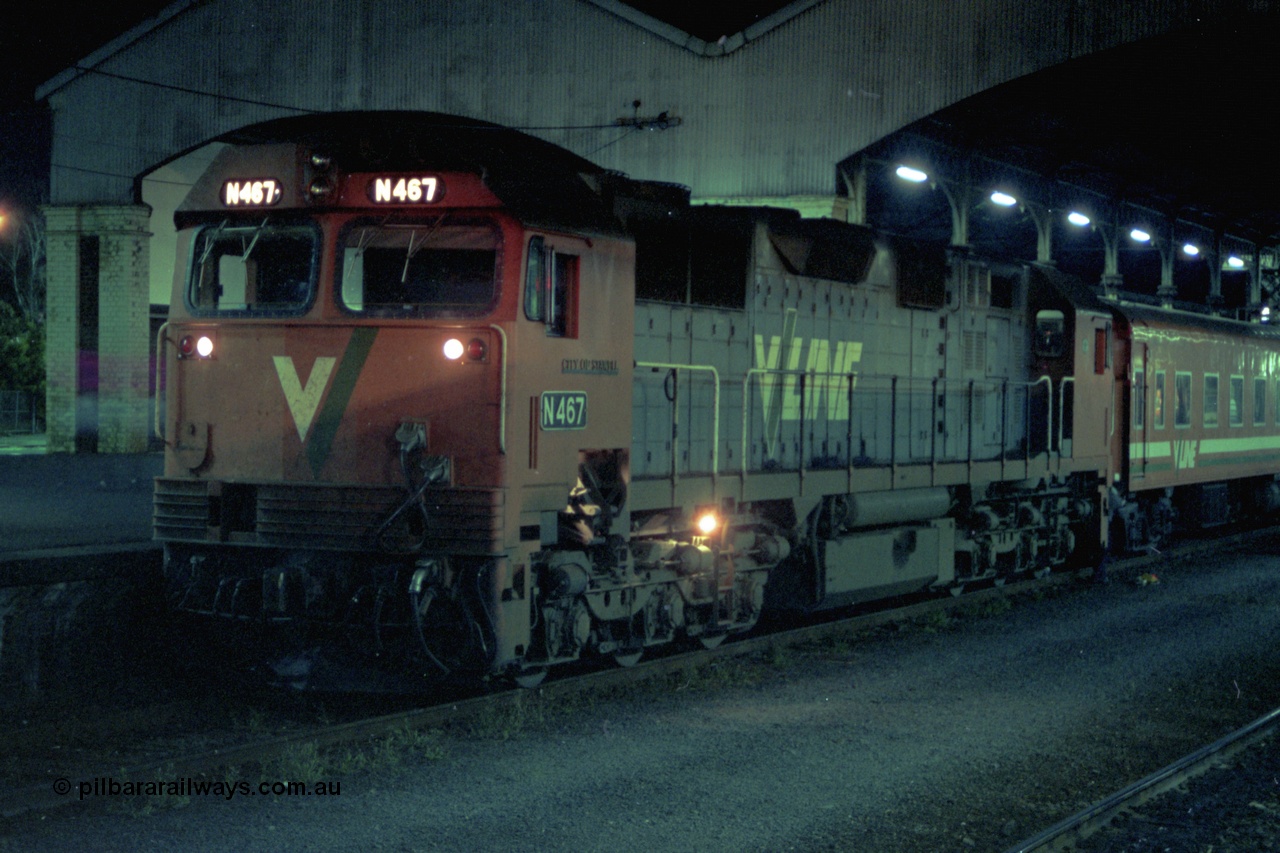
(1051, 336)
(551, 289)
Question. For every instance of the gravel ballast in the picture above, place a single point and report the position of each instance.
(961, 732)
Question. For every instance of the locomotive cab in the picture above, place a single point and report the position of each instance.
(351, 448)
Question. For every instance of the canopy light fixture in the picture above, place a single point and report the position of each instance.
(908, 173)
(1003, 199)
(1191, 249)
(1140, 236)
(1075, 217)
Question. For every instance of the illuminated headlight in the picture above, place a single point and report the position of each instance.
(453, 349)
(707, 523)
(192, 346)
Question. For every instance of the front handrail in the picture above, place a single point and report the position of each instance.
(1062, 403)
(502, 393)
(162, 376)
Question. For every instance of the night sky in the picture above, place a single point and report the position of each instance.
(37, 42)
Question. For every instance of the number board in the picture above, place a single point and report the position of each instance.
(400, 189)
(263, 192)
(564, 410)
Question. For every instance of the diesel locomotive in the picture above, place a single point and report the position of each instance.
(441, 398)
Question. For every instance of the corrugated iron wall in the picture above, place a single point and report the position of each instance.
(770, 115)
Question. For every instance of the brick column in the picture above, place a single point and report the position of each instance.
(124, 303)
(62, 300)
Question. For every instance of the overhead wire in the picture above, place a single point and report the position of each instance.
(84, 71)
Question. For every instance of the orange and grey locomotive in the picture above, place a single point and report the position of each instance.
(442, 398)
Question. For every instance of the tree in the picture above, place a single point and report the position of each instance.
(22, 356)
(22, 261)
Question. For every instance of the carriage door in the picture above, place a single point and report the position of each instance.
(1138, 406)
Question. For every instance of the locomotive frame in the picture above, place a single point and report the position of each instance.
(398, 442)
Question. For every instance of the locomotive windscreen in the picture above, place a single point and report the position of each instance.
(435, 267)
(262, 268)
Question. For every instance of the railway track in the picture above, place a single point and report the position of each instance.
(260, 750)
(1069, 833)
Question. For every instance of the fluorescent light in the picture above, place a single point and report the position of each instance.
(915, 176)
(1139, 235)
(1235, 263)
(1075, 217)
(1003, 199)
(1191, 249)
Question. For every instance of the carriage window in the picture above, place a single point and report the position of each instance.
(1235, 403)
(1157, 410)
(437, 267)
(1210, 400)
(1051, 336)
(1182, 399)
(261, 268)
(1259, 402)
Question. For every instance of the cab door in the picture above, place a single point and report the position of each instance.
(573, 352)
(1098, 426)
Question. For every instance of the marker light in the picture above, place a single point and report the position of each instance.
(453, 349)
(1075, 217)
(476, 350)
(1139, 235)
(320, 187)
(707, 523)
(189, 346)
(1235, 263)
(907, 173)
(1191, 249)
(1003, 199)
(1265, 314)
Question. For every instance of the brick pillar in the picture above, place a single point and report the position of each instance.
(62, 300)
(123, 329)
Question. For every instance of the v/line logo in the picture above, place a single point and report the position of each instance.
(331, 381)
(303, 400)
(830, 378)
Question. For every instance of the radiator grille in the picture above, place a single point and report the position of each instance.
(460, 521)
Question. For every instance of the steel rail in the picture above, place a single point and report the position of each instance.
(1062, 835)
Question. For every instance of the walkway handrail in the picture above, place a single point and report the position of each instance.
(675, 415)
(893, 381)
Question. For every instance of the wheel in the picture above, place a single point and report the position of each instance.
(531, 677)
(628, 658)
(710, 641)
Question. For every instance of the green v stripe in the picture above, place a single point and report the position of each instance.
(344, 383)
